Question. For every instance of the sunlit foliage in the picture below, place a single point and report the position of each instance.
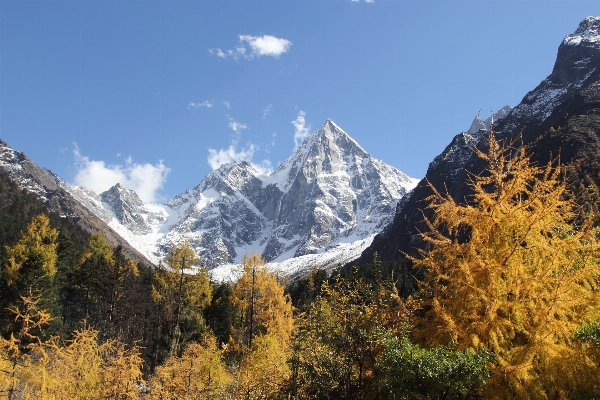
(507, 270)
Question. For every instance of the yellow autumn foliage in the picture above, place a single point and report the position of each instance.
(264, 369)
(513, 269)
(260, 297)
(199, 373)
(81, 369)
(38, 245)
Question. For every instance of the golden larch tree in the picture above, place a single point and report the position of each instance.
(199, 373)
(264, 308)
(182, 290)
(513, 269)
(264, 331)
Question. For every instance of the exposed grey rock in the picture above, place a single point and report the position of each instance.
(332, 189)
(129, 209)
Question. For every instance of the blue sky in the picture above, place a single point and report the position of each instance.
(157, 93)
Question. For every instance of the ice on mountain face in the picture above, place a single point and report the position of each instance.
(218, 216)
(293, 267)
(331, 188)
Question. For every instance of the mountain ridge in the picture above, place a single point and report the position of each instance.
(48, 187)
(551, 104)
(329, 192)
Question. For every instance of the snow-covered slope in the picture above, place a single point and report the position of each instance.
(329, 193)
(321, 206)
(294, 267)
(332, 191)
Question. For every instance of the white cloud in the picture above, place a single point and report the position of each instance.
(204, 104)
(227, 104)
(239, 52)
(302, 130)
(258, 46)
(263, 168)
(144, 179)
(266, 45)
(219, 53)
(267, 111)
(237, 127)
(366, 1)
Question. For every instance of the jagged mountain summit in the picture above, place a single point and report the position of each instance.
(330, 195)
(330, 191)
(558, 117)
(479, 124)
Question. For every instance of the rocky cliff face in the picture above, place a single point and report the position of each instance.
(331, 190)
(555, 103)
(129, 210)
(218, 216)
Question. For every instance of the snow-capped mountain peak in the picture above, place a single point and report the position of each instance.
(127, 208)
(332, 190)
(329, 193)
(329, 199)
(587, 33)
(576, 67)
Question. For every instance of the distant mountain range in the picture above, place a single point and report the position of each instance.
(49, 188)
(330, 196)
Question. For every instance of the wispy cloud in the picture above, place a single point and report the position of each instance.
(267, 111)
(204, 104)
(226, 103)
(366, 1)
(302, 130)
(237, 127)
(145, 179)
(237, 53)
(263, 168)
(250, 47)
